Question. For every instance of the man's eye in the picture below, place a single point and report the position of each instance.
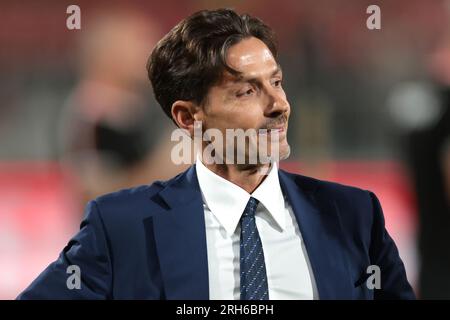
(245, 93)
(277, 83)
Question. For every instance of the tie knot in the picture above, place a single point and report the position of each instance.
(250, 209)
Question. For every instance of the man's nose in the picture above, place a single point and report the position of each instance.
(276, 104)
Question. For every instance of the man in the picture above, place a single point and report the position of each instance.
(226, 230)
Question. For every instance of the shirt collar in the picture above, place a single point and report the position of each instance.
(227, 201)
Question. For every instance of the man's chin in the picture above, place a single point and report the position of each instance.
(285, 152)
(282, 154)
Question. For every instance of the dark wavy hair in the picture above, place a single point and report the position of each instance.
(190, 59)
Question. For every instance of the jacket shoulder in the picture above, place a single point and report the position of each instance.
(328, 187)
(125, 206)
(134, 196)
(354, 205)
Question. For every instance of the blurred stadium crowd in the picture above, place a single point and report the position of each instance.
(370, 108)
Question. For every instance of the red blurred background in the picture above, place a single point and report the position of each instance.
(364, 103)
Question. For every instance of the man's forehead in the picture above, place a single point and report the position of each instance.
(249, 52)
(248, 58)
(247, 75)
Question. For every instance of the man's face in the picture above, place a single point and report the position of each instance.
(253, 100)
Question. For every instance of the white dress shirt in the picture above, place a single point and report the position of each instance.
(289, 273)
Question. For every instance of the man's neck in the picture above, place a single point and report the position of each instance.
(246, 177)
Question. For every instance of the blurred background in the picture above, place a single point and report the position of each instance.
(370, 108)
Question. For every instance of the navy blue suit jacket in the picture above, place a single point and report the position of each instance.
(149, 242)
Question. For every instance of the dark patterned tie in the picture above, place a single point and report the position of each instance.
(253, 268)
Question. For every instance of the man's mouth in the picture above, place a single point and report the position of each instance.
(277, 129)
(281, 128)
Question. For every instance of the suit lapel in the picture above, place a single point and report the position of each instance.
(320, 227)
(180, 239)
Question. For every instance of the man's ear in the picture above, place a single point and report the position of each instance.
(185, 113)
